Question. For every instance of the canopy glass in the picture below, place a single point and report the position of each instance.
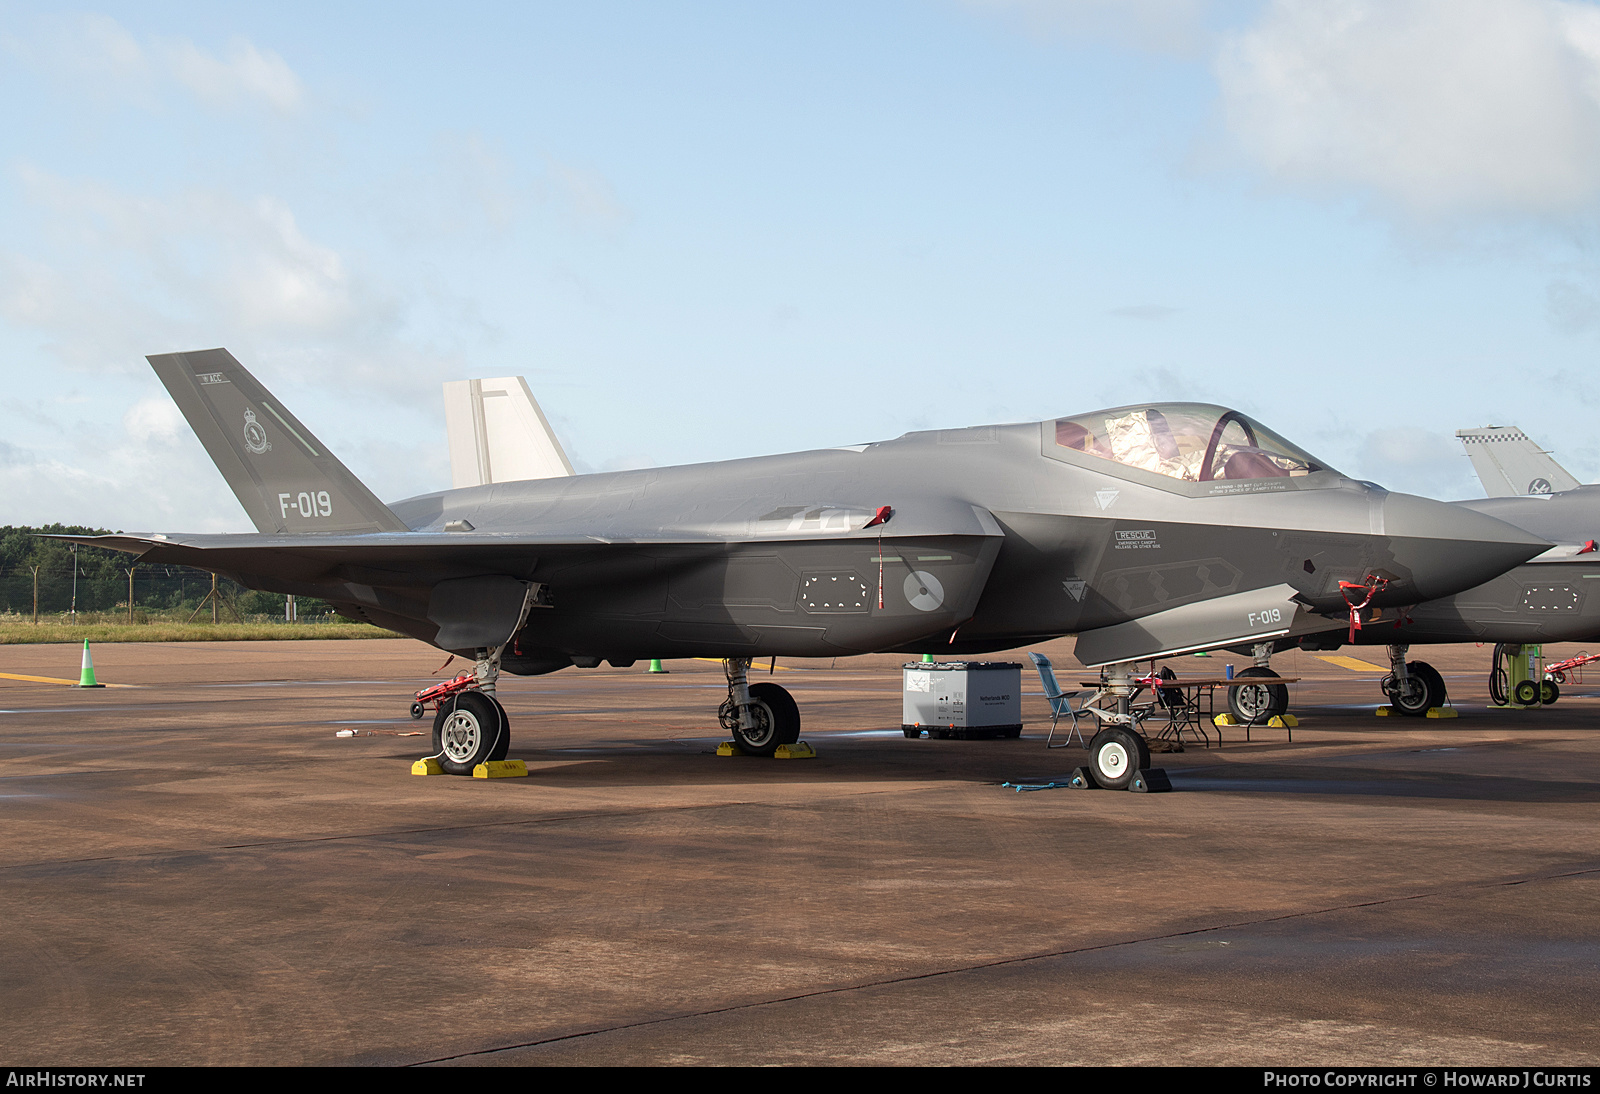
(1189, 441)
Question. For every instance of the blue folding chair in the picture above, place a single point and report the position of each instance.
(1060, 703)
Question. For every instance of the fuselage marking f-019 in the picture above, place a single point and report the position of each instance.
(306, 503)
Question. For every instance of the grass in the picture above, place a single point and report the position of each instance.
(172, 627)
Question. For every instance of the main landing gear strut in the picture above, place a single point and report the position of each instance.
(1256, 704)
(470, 727)
(760, 716)
(1413, 687)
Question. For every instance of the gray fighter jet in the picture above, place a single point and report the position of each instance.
(1146, 530)
(1551, 598)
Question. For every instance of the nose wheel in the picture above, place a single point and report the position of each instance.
(471, 728)
(1116, 755)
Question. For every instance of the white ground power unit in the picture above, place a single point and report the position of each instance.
(962, 699)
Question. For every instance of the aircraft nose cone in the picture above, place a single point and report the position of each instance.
(1444, 549)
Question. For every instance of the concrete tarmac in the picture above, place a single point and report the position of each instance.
(197, 870)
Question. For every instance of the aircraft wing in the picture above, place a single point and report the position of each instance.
(809, 587)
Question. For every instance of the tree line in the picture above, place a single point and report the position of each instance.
(95, 579)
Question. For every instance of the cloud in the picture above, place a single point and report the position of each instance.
(1163, 26)
(12, 456)
(144, 479)
(246, 74)
(1439, 107)
(96, 54)
(121, 266)
(1416, 461)
(1573, 307)
(585, 196)
(153, 420)
(105, 276)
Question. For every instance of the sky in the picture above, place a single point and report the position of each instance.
(711, 230)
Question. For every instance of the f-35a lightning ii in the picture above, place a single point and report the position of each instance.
(1553, 597)
(1146, 530)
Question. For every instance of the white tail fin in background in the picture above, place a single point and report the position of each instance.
(499, 434)
(1510, 465)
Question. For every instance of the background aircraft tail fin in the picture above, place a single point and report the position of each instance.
(499, 434)
(1510, 465)
(284, 477)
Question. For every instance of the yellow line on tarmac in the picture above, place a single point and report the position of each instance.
(753, 667)
(1354, 663)
(53, 680)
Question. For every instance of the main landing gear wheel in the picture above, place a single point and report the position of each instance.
(1254, 704)
(1116, 755)
(1424, 689)
(777, 720)
(471, 728)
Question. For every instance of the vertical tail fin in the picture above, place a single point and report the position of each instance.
(284, 477)
(499, 434)
(1510, 465)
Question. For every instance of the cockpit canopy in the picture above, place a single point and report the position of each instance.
(1193, 442)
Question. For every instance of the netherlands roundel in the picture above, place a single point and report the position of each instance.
(923, 590)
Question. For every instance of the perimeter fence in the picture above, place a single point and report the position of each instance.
(48, 578)
(165, 591)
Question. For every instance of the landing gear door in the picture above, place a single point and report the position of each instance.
(477, 612)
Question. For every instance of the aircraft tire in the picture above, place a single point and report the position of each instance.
(1116, 755)
(1429, 693)
(469, 728)
(503, 745)
(1525, 694)
(1548, 692)
(1255, 703)
(777, 721)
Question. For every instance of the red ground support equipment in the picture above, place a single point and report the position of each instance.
(465, 682)
(1561, 669)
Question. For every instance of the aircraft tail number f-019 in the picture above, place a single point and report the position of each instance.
(1145, 530)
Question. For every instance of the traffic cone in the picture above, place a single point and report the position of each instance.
(86, 676)
(655, 665)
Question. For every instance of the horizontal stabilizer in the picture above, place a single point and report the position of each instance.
(284, 477)
(1255, 616)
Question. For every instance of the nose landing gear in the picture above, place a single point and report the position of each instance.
(760, 716)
